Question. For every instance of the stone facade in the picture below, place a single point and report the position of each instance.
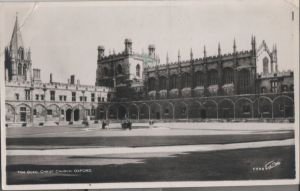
(240, 84)
(29, 100)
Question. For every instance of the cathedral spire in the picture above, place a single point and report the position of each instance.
(167, 59)
(219, 49)
(204, 52)
(16, 40)
(234, 46)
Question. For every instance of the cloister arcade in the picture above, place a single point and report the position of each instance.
(221, 107)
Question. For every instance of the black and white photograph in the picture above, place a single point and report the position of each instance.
(149, 94)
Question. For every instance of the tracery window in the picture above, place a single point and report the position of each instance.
(20, 69)
(162, 83)
(228, 76)
(151, 84)
(212, 77)
(265, 65)
(138, 70)
(105, 71)
(199, 78)
(173, 81)
(120, 70)
(244, 81)
(186, 80)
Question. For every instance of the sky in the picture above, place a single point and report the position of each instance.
(63, 37)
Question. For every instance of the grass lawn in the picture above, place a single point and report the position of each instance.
(193, 166)
(138, 141)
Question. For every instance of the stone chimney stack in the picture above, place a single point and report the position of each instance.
(101, 50)
(128, 46)
(151, 50)
(73, 79)
(51, 78)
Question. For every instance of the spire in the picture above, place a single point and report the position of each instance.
(204, 52)
(191, 54)
(219, 49)
(234, 45)
(16, 39)
(179, 56)
(167, 59)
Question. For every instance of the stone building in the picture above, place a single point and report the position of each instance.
(240, 84)
(29, 100)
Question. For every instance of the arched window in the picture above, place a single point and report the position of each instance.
(265, 65)
(185, 80)
(24, 70)
(105, 71)
(244, 81)
(138, 70)
(120, 70)
(199, 78)
(173, 82)
(212, 77)
(228, 76)
(162, 83)
(21, 53)
(151, 84)
(20, 69)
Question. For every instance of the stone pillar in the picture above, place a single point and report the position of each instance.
(72, 115)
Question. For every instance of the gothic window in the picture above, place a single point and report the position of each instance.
(212, 77)
(162, 83)
(105, 71)
(120, 70)
(173, 82)
(52, 95)
(274, 86)
(20, 69)
(138, 70)
(25, 71)
(185, 80)
(265, 65)
(244, 81)
(228, 76)
(151, 84)
(73, 96)
(199, 79)
(27, 94)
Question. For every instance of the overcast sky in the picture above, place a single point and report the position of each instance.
(63, 37)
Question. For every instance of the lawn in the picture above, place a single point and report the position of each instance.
(193, 166)
(138, 141)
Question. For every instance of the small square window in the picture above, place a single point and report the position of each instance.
(49, 112)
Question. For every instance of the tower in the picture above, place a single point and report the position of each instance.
(17, 58)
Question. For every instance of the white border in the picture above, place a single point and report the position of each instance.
(170, 184)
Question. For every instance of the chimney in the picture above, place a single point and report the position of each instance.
(78, 82)
(72, 79)
(151, 50)
(101, 50)
(128, 46)
(51, 79)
